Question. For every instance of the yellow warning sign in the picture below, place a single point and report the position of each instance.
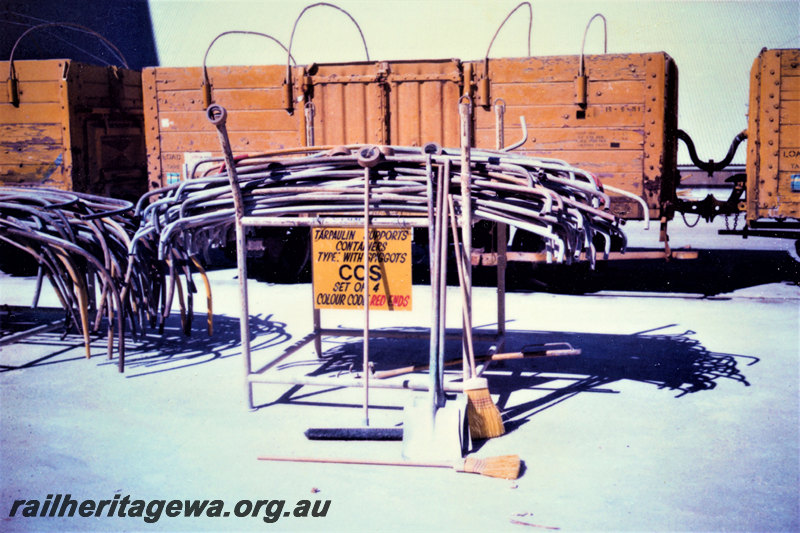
(339, 268)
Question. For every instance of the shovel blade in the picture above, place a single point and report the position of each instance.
(443, 436)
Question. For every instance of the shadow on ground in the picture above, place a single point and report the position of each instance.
(147, 353)
(673, 361)
(175, 350)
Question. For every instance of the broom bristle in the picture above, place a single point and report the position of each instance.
(485, 421)
(502, 466)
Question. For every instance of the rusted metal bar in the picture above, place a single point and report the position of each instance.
(218, 116)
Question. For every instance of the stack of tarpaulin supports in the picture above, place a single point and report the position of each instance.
(386, 187)
(80, 243)
(85, 247)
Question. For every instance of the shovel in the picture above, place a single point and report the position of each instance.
(434, 426)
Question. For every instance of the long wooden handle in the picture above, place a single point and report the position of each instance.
(522, 355)
(506, 356)
(383, 374)
(504, 466)
(347, 461)
(466, 305)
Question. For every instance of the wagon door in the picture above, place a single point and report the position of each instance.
(346, 103)
(423, 102)
(405, 103)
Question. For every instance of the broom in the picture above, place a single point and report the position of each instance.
(485, 421)
(502, 466)
(544, 351)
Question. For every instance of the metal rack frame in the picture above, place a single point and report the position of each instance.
(368, 219)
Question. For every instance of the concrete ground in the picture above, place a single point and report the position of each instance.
(681, 413)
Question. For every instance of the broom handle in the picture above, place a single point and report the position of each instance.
(346, 461)
(365, 288)
(465, 307)
(383, 374)
(522, 355)
(506, 356)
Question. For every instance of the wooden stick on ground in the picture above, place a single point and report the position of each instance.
(505, 356)
(503, 466)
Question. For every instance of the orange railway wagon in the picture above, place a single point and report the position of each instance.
(622, 129)
(73, 126)
(615, 116)
(773, 156)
